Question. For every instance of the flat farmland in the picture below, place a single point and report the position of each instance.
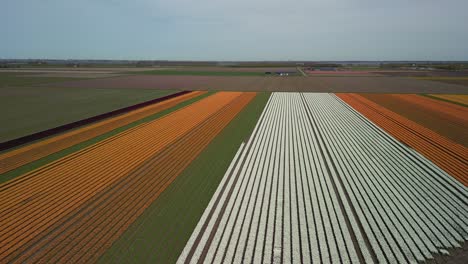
(377, 84)
(450, 77)
(310, 186)
(454, 98)
(23, 78)
(457, 81)
(79, 214)
(229, 69)
(343, 73)
(426, 74)
(447, 119)
(161, 233)
(447, 154)
(21, 156)
(352, 168)
(26, 110)
(215, 71)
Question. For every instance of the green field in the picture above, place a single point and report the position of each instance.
(200, 73)
(27, 110)
(22, 79)
(161, 232)
(46, 160)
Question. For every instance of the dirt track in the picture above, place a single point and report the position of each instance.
(289, 84)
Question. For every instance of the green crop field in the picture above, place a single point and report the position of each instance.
(48, 159)
(26, 110)
(160, 234)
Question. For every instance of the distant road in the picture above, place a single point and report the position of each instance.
(301, 71)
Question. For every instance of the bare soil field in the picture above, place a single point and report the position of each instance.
(226, 69)
(425, 73)
(286, 84)
(447, 119)
(67, 72)
(458, 81)
(343, 73)
(78, 69)
(82, 74)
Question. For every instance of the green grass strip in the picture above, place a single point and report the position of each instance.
(53, 157)
(199, 73)
(445, 100)
(161, 232)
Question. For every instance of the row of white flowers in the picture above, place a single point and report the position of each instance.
(319, 183)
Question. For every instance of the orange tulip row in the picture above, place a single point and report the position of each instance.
(445, 153)
(452, 112)
(19, 157)
(39, 204)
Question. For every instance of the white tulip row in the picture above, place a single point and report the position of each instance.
(319, 183)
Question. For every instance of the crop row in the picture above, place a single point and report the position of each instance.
(63, 212)
(452, 112)
(317, 182)
(19, 157)
(446, 119)
(457, 98)
(447, 154)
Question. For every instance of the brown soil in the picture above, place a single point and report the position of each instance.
(225, 69)
(425, 73)
(84, 75)
(456, 256)
(458, 82)
(286, 84)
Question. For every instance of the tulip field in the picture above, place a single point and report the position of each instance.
(318, 183)
(245, 177)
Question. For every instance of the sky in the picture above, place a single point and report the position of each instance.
(235, 29)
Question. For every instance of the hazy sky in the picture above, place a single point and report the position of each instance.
(235, 29)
